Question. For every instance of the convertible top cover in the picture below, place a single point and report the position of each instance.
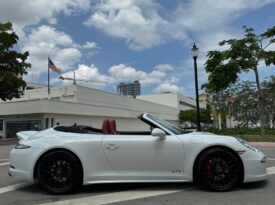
(77, 129)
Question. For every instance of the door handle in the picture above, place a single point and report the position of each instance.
(111, 146)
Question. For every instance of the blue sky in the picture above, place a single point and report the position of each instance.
(114, 41)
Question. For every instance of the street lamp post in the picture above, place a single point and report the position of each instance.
(195, 53)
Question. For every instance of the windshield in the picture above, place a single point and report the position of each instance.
(169, 126)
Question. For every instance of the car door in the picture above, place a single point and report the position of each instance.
(145, 155)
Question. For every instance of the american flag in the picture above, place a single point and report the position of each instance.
(52, 66)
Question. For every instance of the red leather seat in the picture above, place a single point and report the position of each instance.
(113, 127)
(106, 127)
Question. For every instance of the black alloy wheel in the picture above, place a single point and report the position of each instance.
(219, 169)
(59, 172)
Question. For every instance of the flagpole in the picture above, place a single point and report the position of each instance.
(49, 92)
(55, 69)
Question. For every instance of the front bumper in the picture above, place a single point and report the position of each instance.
(254, 166)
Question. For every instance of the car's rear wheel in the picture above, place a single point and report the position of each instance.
(219, 169)
(59, 172)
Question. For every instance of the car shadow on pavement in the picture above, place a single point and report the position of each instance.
(254, 185)
(33, 188)
(243, 186)
(116, 187)
(96, 189)
(99, 188)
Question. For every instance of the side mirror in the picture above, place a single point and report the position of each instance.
(156, 132)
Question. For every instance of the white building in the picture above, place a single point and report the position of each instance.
(174, 100)
(75, 104)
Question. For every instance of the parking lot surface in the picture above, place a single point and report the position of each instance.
(16, 192)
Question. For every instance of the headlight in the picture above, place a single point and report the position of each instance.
(244, 143)
(21, 146)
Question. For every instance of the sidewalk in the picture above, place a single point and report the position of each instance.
(8, 141)
(263, 144)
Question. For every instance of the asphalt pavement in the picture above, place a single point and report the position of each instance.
(16, 192)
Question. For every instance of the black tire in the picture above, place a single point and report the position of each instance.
(219, 169)
(59, 172)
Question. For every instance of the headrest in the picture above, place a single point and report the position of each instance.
(106, 126)
(113, 127)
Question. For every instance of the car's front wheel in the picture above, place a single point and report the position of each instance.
(219, 169)
(59, 172)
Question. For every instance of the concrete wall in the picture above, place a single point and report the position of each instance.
(168, 99)
(93, 109)
(174, 100)
(35, 101)
(76, 104)
(66, 93)
(126, 106)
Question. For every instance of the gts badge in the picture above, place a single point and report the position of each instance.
(176, 171)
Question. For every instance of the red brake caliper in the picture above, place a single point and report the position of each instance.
(208, 168)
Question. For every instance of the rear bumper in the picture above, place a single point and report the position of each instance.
(21, 163)
(19, 174)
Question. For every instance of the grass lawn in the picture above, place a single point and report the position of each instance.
(257, 138)
(248, 134)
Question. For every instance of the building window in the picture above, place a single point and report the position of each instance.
(47, 123)
(52, 122)
(16, 126)
(1, 125)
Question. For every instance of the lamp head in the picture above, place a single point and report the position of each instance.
(195, 51)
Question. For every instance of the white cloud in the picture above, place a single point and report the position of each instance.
(90, 49)
(89, 74)
(203, 15)
(212, 26)
(46, 40)
(141, 24)
(163, 67)
(210, 21)
(122, 73)
(90, 45)
(50, 35)
(145, 24)
(168, 87)
(158, 76)
(136, 21)
(24, 13)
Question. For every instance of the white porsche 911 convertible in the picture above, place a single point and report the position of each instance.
(64, 158)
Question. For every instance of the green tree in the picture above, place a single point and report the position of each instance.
(217, 102)
(245, 105)
(268, 92)
(188, 116)
(191, 116)
(13, 64)
(206, 115)
(241, 55)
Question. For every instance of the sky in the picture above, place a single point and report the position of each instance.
(113, 41)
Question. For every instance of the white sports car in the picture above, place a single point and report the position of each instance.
(64, 158)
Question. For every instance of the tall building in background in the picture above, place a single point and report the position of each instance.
(129, 89)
